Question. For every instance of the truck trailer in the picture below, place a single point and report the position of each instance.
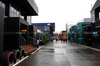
(80, 26)
(95, 25)
(75, 34)
(87, 35)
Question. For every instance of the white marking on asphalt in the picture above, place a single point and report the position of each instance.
(20, 61)
(27, 56)
(65, 54)
(37, 49)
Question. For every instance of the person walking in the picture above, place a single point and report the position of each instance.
(60, 37)
(51, 39)
(56, 39)
(64, 38)
(71, 40)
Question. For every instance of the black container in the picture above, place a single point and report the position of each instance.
(16, 33)
(2, 10)
(33, 35)
(87, 35)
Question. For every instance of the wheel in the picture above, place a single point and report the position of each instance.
(7, 58)
(17, 55)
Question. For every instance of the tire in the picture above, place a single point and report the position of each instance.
(17, 55)
(22, 54)
(7, 58)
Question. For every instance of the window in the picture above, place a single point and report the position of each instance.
(14, 12)
(0, 3)
(63, 32)
(21, 16)
(78, 27)
(29, 19)
(18, 13)
(46, 28)
(3, 5)
(97, 23)
(99, 15)
(11, 11)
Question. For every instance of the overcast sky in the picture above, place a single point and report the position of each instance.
(62, 12)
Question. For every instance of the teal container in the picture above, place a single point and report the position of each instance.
(80, 31)
(75, 34)
(73, 31)
(70, 34)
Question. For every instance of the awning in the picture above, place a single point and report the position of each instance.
(96, 5)
(27, 6)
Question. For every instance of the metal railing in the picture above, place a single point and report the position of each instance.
(23, 41)
(31, 40)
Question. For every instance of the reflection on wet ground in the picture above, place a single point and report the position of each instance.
(63, 54)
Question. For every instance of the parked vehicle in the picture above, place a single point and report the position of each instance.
(80, 26)
(87, 36)
(77, 32)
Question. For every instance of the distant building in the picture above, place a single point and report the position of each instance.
(68, 27)
(47, 28)
(87, 19)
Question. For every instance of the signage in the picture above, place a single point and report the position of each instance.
(35, 33)
(35, 29)
(48, 24)
(95, 32)
(23, 30)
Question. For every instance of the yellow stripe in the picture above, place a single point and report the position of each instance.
(16, 53)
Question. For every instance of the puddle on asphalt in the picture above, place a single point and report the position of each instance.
(51, 50)
(47, 49)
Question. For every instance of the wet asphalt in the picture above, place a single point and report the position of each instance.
(63, 54)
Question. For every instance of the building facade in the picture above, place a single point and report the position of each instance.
(47, 28)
